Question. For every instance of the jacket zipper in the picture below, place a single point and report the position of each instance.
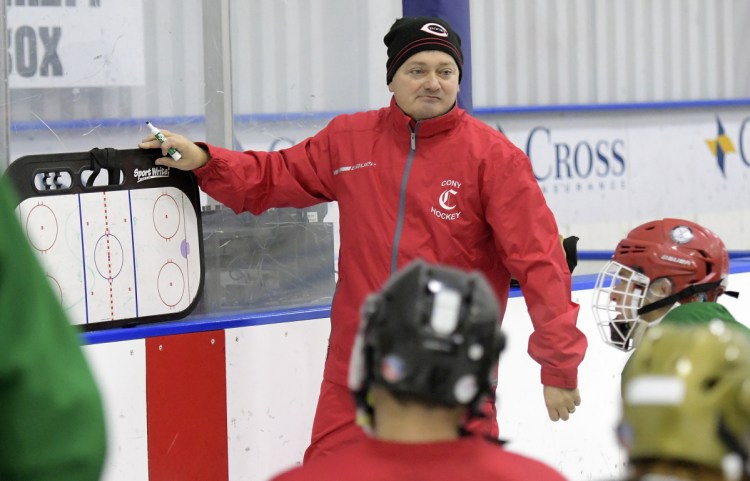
(402, 197)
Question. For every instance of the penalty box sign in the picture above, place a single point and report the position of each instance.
(75, 43)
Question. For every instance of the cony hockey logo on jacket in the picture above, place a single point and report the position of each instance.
(447, 202)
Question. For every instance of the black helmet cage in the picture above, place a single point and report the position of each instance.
(432, 335)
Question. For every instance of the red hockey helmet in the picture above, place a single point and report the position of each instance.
(685, 252)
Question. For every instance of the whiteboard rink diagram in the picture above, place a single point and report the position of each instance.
(118, 254)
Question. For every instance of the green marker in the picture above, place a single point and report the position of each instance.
(160, 137)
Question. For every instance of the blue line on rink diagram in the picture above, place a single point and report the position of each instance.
(132, 241)
(83, 258)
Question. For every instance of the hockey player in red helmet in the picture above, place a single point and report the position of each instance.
(659, 265)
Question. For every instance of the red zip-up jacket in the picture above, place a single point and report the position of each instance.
(449, 190)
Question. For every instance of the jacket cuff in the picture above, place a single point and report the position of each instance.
(202, 171)
(556, 378)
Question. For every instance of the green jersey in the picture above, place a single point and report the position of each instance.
(701, 313)
(51, 416)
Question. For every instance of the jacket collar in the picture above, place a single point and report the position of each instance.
(429, 127)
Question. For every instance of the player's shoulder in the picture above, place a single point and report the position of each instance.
(365, 119)
(693, 313)
(343, 465)
(495, 458)
(480, 127)
(490, 141)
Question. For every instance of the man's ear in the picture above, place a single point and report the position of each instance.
(660, 288)
(390, 88)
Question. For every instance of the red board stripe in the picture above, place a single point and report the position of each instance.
(186, 407)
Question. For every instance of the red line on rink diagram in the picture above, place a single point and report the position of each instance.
(109, 258)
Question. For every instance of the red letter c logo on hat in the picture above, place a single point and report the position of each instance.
(435, 29)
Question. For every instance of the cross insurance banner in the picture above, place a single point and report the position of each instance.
(603, 173)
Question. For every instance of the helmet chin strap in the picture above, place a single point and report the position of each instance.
(689, 291)
(734, 444)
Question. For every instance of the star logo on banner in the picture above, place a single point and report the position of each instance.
(720, 146)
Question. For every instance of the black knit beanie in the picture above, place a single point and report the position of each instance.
(410, 35)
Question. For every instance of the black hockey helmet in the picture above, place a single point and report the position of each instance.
(431, 335)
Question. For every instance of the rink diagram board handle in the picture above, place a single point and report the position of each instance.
(119, 238)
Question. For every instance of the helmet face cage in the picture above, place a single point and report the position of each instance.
(618, 294)
(431, 335)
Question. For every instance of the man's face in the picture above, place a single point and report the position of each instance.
(618, 294)
(630, 296)
(426, 85)
(627, 296)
